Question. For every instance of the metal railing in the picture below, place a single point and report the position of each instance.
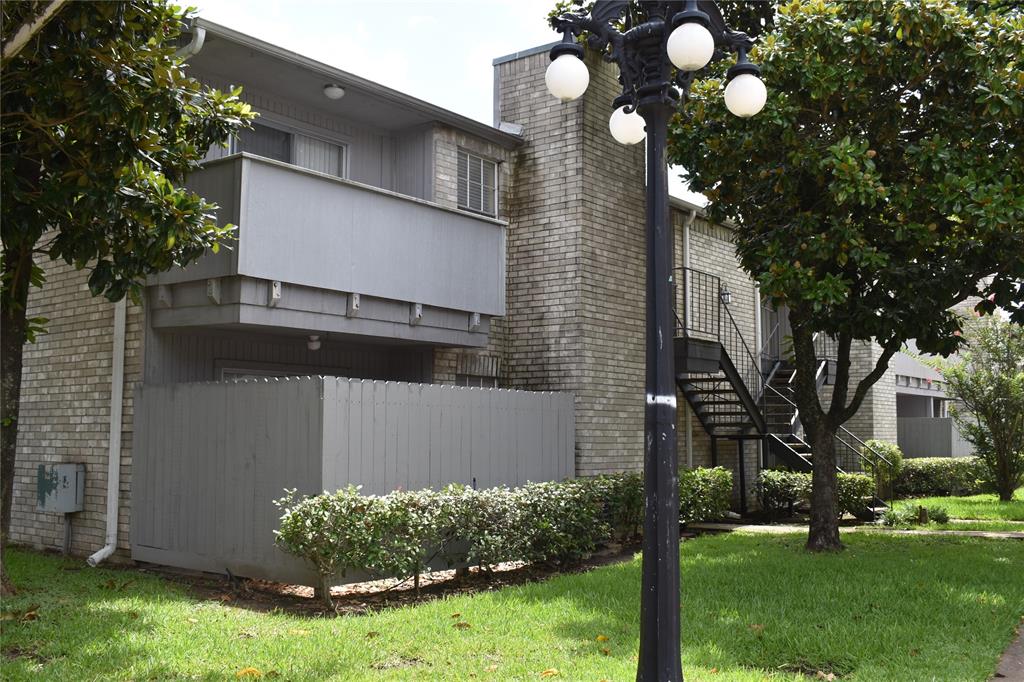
(701, 303)
(848, 458)
(704, 315)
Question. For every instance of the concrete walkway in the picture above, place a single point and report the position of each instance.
(1011, 665)
(782, 529)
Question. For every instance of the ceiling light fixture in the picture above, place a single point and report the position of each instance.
(334, 91)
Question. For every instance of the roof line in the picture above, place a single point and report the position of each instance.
(523, 53)
(395, 96)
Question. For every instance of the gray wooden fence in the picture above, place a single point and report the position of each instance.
(209, 458)
(931, 437)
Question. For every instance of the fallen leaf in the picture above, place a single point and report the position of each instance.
(714, 671)
(247, 634)
(225, 598)
(249, 672)
(491, 668)
(601, 638)
(193, 620)
(828, 677)
(456, 615)
(133, 614)
(9, 615)
(915, 652)
(371, 634)
(31, 613)
(606, 651)
(298, 632)
(462, 625)
(757, 629)
(550, 672)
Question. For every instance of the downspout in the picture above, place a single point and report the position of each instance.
(759, 335)
(686, 303)
(194, 45)
(114, 436)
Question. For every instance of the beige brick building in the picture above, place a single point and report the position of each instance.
(562, 235)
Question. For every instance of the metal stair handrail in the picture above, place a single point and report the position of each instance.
(879, 458)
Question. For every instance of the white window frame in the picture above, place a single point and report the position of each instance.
(464, 206)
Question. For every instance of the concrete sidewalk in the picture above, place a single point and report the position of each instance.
(782, 529)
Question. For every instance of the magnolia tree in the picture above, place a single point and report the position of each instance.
(883, 180)
(100, 127)
(988, 383)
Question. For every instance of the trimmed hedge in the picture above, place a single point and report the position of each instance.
(780, 491)
(398, 534)
(941, 476)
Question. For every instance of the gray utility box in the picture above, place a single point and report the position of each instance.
(60, 488)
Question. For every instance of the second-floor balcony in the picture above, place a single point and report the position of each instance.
(320, 254)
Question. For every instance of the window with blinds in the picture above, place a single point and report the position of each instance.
(295, 148)
(477, 183)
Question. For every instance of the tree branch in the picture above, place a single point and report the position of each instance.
(881, 366)
(28, 30)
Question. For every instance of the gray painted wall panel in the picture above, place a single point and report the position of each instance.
(931, 437)
(323, 232)
(209, 458)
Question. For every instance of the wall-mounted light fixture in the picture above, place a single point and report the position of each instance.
(726, 295)
(314, 342)
(334, 91)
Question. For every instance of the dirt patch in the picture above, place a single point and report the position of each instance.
(28, 653)
(366, 597)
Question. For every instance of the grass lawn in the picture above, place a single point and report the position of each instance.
(754, 607)
(976, 506)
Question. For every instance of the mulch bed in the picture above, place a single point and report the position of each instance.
(366, 597)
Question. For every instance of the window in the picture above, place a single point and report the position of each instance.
(265, 141)
(476, 381)
(477, 183)
(295, 148)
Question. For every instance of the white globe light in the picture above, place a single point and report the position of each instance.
(690, 46)
(745, 95)
(627, 128)
(567, 77)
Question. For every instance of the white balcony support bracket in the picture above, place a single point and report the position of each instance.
(474, 322)
(353, 305)
(415, 313)
(274, 295)
(213, 290)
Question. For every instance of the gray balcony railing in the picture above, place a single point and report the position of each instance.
(307, 228)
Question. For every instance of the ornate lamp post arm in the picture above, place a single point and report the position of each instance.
(658, 56)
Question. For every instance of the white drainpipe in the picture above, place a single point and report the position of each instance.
(686, 303)
(114, 437)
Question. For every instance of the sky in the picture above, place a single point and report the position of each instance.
(436, 50)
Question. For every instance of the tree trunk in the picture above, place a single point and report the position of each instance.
(17, 265)
(823, 535)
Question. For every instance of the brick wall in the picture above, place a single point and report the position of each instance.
(543, 349)
(65, 408)
(447, 142)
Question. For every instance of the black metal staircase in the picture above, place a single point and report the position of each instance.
(740, 396)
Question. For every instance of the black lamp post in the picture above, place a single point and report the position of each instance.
(658, 53)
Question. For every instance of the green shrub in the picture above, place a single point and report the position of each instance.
(900, 515)
(854, 491)
(940, 476)
(908, 514)
(399, 534)
(780, 490)
(704, 494)
(890, 451)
